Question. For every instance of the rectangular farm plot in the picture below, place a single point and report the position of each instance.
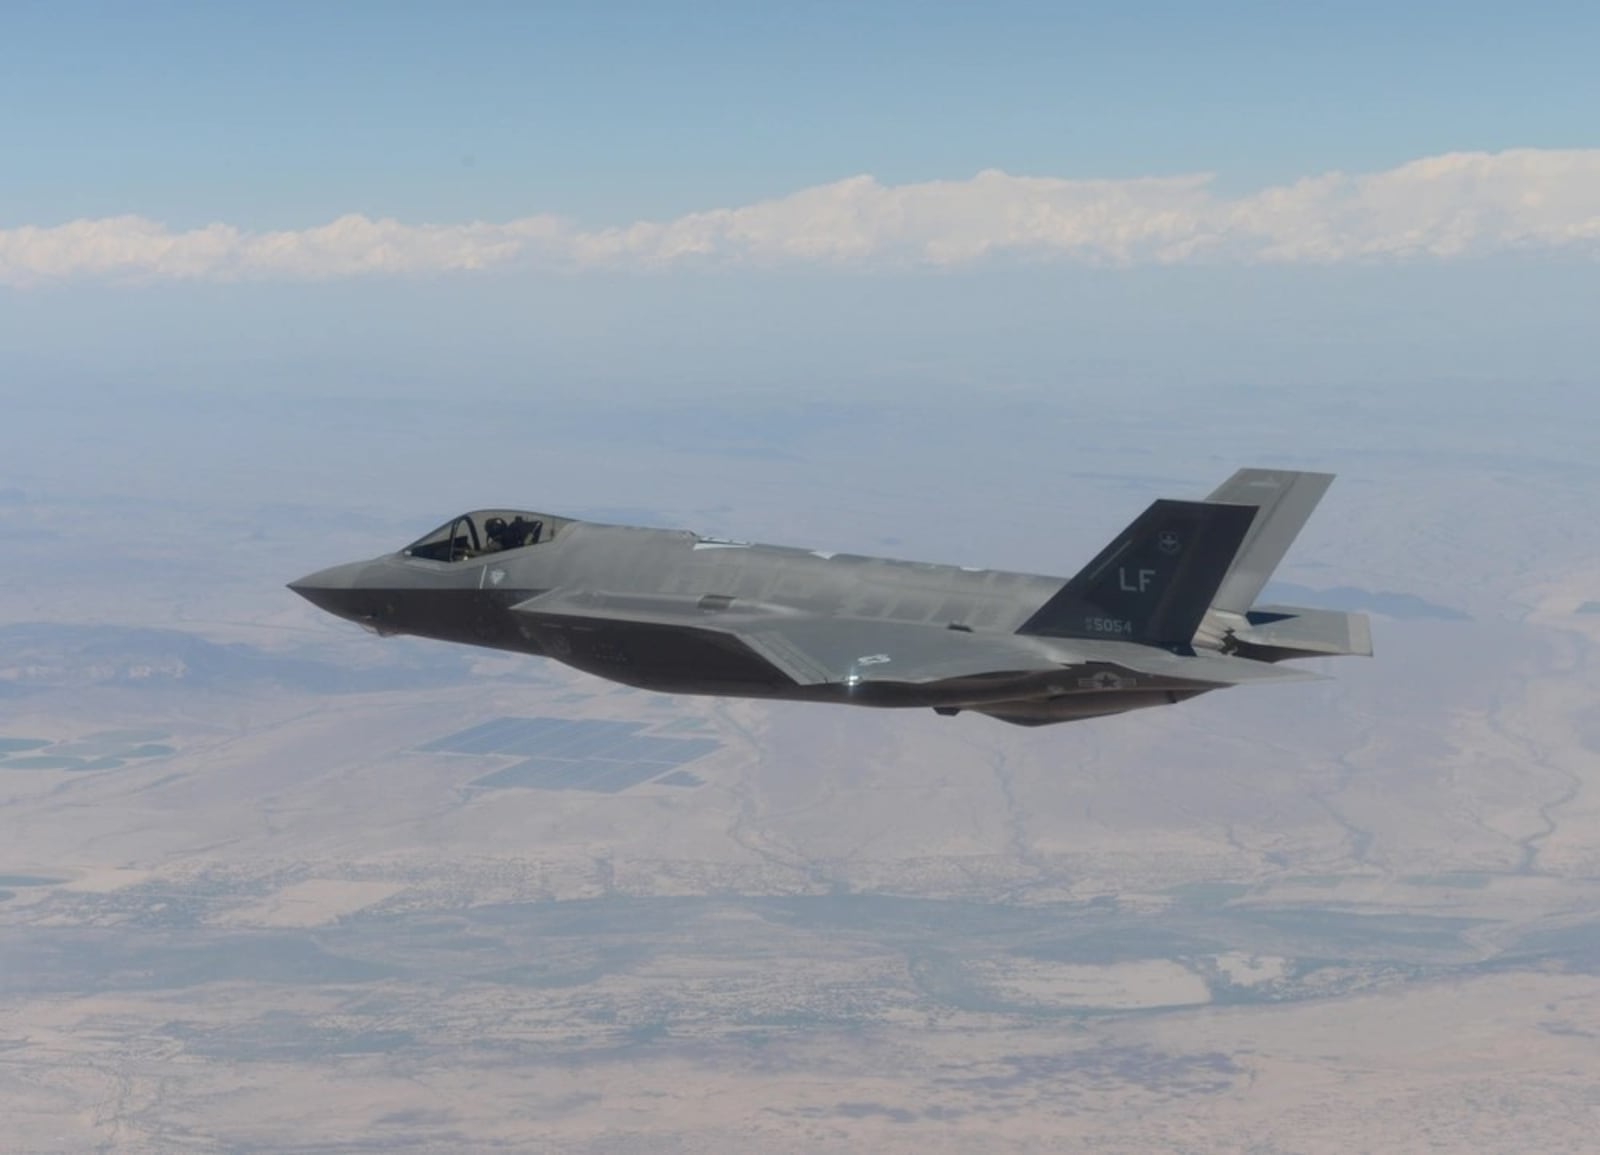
(105, 750)
(597, 755)
(592, 774)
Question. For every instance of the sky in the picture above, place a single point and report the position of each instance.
(290, 114)
(512, 197)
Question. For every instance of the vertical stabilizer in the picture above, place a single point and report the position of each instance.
(1285, 499)
(1153, 583)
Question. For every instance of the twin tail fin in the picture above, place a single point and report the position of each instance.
(1155, 581)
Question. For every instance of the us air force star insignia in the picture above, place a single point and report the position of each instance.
(496, 576)
(1104, 680)
(1168, 542)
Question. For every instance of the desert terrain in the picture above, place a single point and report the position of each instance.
(269, 884)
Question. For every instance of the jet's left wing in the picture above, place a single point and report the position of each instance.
(841, 650)
(810, 649)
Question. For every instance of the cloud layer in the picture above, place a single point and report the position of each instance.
(1441, 207)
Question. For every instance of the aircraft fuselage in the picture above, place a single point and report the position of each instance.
(675, 612)
(470, 601)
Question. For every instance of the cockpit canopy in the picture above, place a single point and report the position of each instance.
(486, 531)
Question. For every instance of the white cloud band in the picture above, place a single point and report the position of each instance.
(1459, 204)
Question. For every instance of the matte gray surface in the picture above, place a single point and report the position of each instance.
(1160, 615)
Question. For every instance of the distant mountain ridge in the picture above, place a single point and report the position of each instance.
(1387, 602)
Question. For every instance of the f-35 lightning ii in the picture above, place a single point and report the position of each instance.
(1162, 614)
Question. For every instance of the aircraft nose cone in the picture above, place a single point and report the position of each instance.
(331, 589)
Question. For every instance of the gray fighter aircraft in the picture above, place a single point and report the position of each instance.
(1162, 614)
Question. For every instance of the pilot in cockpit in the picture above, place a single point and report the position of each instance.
(500, 534)
(522, 532)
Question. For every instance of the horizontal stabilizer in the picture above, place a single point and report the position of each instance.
(1273, 633)
(1219, 670)
(1201, 669)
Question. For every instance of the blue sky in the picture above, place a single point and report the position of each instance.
(285, 114)
(374, 198)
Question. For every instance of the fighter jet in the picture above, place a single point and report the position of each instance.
(1163, 613)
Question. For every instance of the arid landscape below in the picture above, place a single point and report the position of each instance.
(269, 884)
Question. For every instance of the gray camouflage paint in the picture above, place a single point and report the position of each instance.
(672, 611)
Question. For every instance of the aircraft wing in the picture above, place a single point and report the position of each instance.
(820, 650)
(814, 650)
